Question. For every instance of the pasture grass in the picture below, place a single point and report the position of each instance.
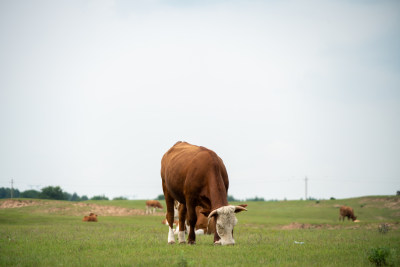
(33, 236)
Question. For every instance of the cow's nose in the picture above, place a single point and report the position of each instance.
(229, 244)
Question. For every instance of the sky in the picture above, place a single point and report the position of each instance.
(93, 93)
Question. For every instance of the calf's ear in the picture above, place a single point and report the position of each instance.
(205, 212)
(213, 213)
(240, 208)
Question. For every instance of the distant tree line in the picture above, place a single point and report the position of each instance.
(49, 192)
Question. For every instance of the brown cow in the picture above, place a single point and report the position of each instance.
(347, 212)
(196, 176)
(91, 218)
(152, 205)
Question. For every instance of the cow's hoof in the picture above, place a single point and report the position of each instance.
(192, 242)
(182, 242)
(217, 243)
(171, 242)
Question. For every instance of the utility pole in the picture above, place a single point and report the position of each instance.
(12, 189)
(306, 179)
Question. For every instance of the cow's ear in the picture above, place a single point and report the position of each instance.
(243, 205)
(240, 208)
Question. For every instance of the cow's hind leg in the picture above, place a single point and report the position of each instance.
(192, 219)
(182, 219)
(170, 216)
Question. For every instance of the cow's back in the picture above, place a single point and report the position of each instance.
(184, 168)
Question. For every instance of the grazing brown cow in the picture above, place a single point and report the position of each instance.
(196, 176)
(152, 205)
(347, 212)
(91, 218)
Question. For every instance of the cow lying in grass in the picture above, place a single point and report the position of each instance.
(347, 212)
(91, 218)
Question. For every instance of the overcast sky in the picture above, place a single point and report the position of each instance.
(93, 93)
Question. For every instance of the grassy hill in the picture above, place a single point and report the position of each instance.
(283, 233)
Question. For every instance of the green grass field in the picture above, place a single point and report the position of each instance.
(51, 233)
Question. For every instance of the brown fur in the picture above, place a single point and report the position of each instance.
(91, 218)
(194, 176)
(347, 212)
(154, 204)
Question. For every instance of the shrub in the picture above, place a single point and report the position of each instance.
(30, 194)
(379, 255)
(231, 198)
(255, 199)
(52, 192)
(120, 198)
(383, 228)
(103, 197)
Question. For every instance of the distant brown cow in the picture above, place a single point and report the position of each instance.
(91, 218)
(152, 205)
(347, 212)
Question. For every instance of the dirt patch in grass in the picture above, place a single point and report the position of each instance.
(110, 210)
(16, 203)
(372, 226)
(388, 202)
(68, 208)
(296, 225)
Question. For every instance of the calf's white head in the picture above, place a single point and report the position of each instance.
(225, 221)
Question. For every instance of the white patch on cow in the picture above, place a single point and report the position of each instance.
(181, 237)
(171, 236)
(226, 220)
(199, 232)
